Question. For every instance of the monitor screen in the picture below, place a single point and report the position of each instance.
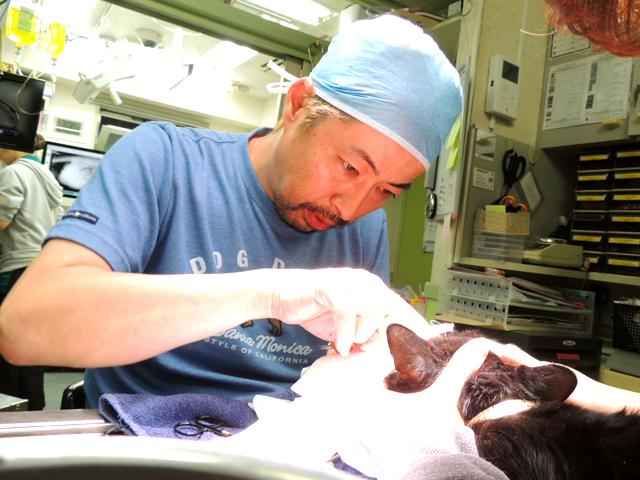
(21, 101)
(72, 166)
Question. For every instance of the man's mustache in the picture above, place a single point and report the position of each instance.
(328, 214)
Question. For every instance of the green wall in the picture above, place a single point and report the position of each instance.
(413, 265)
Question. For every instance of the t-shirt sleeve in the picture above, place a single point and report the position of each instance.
(11, 194)
(120, 212)
(379, 258)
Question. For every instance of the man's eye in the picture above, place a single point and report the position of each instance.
(388, 193)
(349, 168)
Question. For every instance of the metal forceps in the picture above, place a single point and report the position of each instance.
(197, 427)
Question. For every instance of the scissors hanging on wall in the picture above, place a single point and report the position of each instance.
(514, 167)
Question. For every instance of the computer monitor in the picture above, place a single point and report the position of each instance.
(72, 166)
(21, 101)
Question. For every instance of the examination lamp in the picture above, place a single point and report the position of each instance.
(89, 88)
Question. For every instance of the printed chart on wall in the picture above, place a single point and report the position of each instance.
(565, 43)
(589, 90)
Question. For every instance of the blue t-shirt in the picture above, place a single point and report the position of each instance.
(170, 200)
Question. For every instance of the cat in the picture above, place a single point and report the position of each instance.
(551, 441)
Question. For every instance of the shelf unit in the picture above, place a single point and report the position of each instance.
(553, 271)
(501, 303)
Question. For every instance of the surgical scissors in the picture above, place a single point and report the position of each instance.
(197, 427)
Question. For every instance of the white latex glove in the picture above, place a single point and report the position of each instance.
(342, 305)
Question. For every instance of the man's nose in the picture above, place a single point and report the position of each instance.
(351, 201)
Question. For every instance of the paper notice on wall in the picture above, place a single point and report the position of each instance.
(564, 43)
(565, 96)
(608, 90)
(484, 179)
(591, 90)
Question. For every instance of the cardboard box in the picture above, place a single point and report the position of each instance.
(501, 222)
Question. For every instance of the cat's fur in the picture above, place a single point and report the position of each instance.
(553, 440)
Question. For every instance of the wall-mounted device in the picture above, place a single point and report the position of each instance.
(503, 88)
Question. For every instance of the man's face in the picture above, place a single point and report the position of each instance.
(335, 172)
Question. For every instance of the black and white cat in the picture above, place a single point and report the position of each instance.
(550, 441)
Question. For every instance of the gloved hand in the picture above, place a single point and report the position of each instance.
(342, 305)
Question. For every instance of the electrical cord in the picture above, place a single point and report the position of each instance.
(33, 74)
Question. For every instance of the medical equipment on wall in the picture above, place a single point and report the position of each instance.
(286, 79)
(503, 88)
(555, 253)
(89, 88)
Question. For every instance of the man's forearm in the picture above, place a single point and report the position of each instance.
(88, 317)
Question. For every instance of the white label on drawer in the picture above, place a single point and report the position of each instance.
(484, 179)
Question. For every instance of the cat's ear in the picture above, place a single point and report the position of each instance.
(411, 359)
(557, 382)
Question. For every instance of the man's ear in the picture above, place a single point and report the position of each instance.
(298, 92)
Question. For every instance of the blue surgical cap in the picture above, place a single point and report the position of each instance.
(389, 74)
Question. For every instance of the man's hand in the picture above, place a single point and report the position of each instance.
(341, 305)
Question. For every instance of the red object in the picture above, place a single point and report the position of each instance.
(613, 25)
(568, 356)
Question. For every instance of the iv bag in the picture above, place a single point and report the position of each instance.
(22, 24)
(54, 40)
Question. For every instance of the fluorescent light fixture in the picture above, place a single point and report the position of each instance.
(226, 55)
(304, 11)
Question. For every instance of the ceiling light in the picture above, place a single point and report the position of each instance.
(227, 55)
(304, 11)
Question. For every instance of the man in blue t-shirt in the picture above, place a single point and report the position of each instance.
(161, 276)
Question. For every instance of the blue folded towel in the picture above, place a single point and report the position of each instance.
(157, 416)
